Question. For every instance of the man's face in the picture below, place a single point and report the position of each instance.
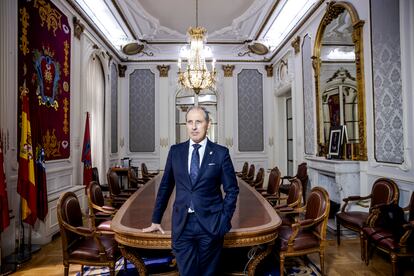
(197, 125)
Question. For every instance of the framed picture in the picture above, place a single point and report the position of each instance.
(335, 142)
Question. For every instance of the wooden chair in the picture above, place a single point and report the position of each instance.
(289, 210)
(83, 245)
(387, 238)
(308, 235)
(145, 173)
(272, 192)
(116, 195)
(384, 191)
(244, 170)
(134, 181)
(302, 175)
(101, 214)
(258, 181)
(250, 173)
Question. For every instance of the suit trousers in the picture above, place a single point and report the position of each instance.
(197, 252)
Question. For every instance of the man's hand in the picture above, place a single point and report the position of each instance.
(154, 227)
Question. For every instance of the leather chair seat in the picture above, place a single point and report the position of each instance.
(304, 240)
(87, 249)
(355, 218)
(104, 226)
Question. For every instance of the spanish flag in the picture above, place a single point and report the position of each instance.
(26, 185)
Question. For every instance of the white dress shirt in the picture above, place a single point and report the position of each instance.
(201, 151)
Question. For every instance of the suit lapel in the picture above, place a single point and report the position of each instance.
(184, 153)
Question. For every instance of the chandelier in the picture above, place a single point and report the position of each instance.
(196, 75)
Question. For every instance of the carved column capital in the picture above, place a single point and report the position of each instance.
(269, 70)
(296, 44)
(121, 70)
(228, 70)
(163, 70)
(78, 27)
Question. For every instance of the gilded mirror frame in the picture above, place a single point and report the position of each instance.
(333, 10)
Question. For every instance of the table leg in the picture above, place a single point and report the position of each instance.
(133, 256)
(251, 268)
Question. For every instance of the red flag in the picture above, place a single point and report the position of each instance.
(86, 154)
(4, 204)
(26, 185)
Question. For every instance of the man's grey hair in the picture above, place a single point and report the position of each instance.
(206, 116)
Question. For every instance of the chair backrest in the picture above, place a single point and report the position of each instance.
(252, 169)
(302, 172)
(384, 191)
(95, 195)
(274, 181)
(295, 193)
(411, 208)
(95, 175)
(318, 206)
(258, 181)
(69, 212)
(144, 169)
(113, 182)
(245, 168)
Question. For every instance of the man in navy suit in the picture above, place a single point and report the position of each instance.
(201, 216)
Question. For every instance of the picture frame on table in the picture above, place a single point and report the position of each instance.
(335, 142)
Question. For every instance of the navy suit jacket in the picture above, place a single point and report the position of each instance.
(212, 210)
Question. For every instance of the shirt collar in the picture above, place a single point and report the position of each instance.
(203, 143)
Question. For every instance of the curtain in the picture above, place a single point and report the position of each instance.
(96, 107)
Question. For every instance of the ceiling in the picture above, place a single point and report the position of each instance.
(233, 27)
(162, 25)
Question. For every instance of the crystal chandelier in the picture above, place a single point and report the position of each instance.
(196, 75)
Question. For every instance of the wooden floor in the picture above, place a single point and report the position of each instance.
(340, 260)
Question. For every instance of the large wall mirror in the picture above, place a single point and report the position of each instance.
(338, 64)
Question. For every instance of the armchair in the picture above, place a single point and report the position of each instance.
(308, 235)
(302, 175)
(117, 197)
(258, 181)
(145, 173)
(289, 210)
(244, 170)
(271, 194)
(250, 173)
(395, 239)
(83, 245)
(384, 191)
(101, 214)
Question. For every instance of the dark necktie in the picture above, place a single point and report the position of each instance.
(195, 163)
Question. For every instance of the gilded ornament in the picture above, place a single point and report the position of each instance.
(228, 70)
(163, 70)
(65, 116)
(65, 86)
(24, 18)
(51, 144)
(66, 62)
(49, 15)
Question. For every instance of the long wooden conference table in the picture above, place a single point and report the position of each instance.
(255, 223)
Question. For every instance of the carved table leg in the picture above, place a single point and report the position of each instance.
(133, 256)
(251, 269)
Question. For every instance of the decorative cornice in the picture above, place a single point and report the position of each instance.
(121, 70)
(269, 70)
(296, 44)
(228, 70)
(163, 70)
(78, 27)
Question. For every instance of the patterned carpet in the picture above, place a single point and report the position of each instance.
(293, 266)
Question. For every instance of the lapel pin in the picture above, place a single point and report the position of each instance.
(211, 152)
